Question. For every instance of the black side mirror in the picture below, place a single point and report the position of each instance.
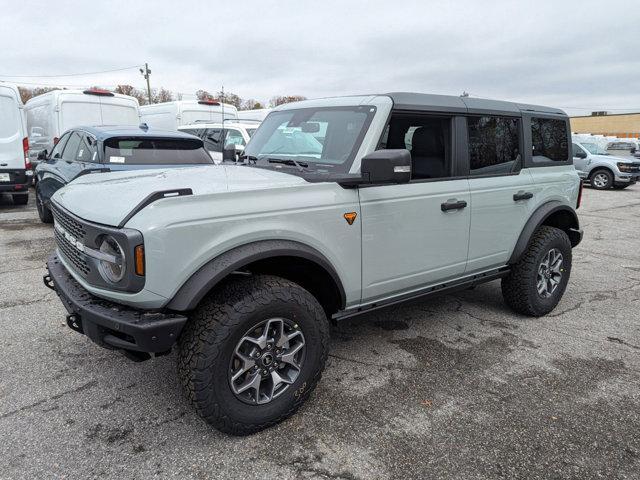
(580, 154)
(229, 153)
(386, 166)
(42, 155)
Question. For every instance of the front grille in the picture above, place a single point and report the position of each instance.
(71, 225)
(72, 254)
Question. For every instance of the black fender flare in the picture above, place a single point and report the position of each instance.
(538, 217)
(211, 273)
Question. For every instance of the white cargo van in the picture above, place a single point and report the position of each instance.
(53, 113)
(236, 136)
(257, 115)
(15, 169)
(171, 115)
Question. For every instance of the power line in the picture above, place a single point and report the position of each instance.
(71, 74)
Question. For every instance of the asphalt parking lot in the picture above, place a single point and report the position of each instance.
(455, 387)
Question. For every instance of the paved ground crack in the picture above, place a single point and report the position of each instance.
(81, 388)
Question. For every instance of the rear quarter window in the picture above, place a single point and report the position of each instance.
(155, 151)
(549, 138)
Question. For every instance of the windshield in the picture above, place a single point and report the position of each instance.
(155, 151)
(325, 139)
(594, 149)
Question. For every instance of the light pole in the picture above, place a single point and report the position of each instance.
(145, 73)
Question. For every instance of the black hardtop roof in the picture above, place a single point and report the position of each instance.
(451, 103)
(103, 132)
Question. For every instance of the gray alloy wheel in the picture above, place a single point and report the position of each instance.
(266, 360)
(549, 273)
(601, 180)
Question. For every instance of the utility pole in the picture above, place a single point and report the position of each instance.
(145, 73)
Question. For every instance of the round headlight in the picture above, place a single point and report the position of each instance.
(112, 270)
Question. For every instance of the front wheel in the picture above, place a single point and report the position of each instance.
(538, 280)
(252, 353)
(43, 211)
(601, 179)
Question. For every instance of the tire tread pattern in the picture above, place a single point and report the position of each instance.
(518, 288)
(215, 319)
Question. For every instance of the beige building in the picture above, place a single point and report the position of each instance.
(622, 125)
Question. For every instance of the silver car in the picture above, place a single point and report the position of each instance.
(603, 170)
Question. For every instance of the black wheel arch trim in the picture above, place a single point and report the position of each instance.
(215, 270)
(537, 219)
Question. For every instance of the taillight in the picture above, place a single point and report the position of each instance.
(25, 149)
(579, 195)
(98, 91)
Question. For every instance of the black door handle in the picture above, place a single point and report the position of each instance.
(522, 196)
(453, 205)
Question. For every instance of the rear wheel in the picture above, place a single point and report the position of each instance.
(21, 199)
(43, 211)
(601, 179)
(537, 282)
(252, 353)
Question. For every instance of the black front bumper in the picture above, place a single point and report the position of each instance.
(109, 324)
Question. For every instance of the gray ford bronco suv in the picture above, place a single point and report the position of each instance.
(340, 206)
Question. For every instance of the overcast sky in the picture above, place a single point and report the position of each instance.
(563, 53)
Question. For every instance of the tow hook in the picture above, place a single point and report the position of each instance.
(48, 281)
(74, 322)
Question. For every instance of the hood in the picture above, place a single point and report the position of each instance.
(107, 198)
(613, 158)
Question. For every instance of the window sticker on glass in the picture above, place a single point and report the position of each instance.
(116, 159)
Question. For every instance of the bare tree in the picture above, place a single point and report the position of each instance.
(230, 98)
(203, 95)
(132, 92)
(251, 104)
(282, 99)
(162, 95)
(27, 93)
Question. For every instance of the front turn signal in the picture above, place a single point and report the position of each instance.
(350, 217)
(139, 259)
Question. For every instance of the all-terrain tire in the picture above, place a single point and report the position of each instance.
(21, 199)
(209, 339)
(519, 287)
(43, 211)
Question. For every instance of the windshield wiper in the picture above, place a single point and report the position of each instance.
(251, 158)
(289, 161)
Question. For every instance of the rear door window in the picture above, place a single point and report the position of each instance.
(75, 114)
(155, 151)
(233, 137)
(494, 145)
(71, 148)
(59, 147)
(87, 151)
(549, 138)
(119, 115)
